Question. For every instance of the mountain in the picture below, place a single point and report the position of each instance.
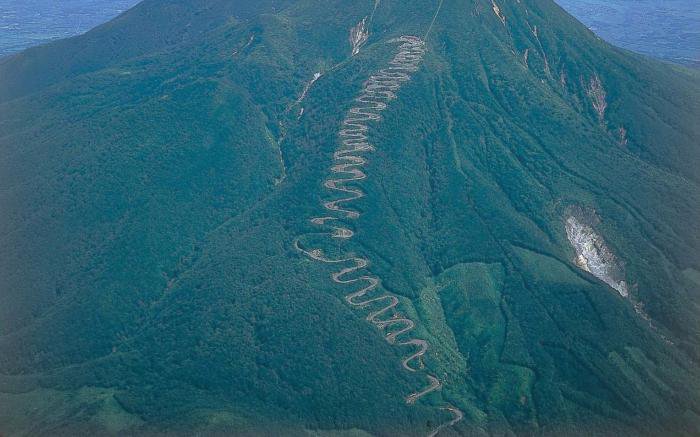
(348, 218)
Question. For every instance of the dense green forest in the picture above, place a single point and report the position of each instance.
(159, 174)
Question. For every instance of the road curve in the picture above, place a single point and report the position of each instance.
(378, 91)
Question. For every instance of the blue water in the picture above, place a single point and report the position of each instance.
(666, 29)
(24, 23)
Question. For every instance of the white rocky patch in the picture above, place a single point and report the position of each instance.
(358, 36)
(594, 256)
(497, 11)
(308, 86)
(598, 96)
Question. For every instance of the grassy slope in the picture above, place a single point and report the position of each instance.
(149, 244)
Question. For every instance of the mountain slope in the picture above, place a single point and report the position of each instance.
(151, 26)
(185, 221)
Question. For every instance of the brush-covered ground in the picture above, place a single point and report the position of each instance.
(155, 172)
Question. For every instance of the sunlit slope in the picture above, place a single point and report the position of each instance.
(153, 211)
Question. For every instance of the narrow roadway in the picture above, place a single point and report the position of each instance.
(378, 91)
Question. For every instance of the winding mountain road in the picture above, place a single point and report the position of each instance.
(377, 92)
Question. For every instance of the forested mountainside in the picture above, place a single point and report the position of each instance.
(348, 218)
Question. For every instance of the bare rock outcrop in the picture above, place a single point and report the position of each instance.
(594, 256)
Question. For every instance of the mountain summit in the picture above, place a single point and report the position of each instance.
(348, 218)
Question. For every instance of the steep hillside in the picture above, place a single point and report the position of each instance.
(345, 217)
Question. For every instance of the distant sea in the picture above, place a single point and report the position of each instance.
(26, 23)
(666, 29)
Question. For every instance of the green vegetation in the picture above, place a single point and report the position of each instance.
(155, 172)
